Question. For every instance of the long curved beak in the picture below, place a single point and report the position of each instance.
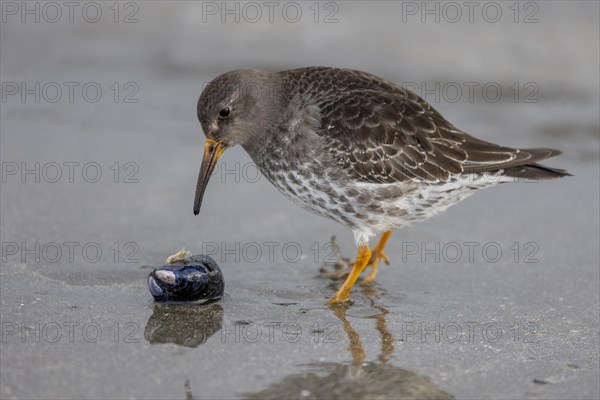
(212, 152)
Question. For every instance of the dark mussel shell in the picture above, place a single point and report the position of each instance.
(197, 279)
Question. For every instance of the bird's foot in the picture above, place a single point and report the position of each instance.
(340, 300)
(376, 257)
(341, 269)
(344, 264)
(343, 294)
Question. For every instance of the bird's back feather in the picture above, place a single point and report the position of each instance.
(379, 132)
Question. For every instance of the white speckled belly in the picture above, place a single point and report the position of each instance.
(371, 208)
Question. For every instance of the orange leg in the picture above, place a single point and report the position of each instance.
(378, 255)
(362, 259)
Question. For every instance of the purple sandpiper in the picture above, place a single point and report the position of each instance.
(353, 147)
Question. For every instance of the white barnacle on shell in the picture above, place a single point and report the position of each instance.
(181, 256)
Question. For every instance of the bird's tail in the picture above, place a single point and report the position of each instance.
(532, 170)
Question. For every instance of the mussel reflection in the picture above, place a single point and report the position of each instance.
(182, 324)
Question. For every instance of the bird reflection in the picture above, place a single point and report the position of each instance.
(188, 390)
(356, 348)
(184, 325)
(360, 380)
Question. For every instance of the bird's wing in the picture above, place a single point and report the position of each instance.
(384, 136)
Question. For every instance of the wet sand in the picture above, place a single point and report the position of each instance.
(496, 298)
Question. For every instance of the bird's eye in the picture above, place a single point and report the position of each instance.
(224, 112)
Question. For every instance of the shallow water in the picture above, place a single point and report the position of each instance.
(496, 298)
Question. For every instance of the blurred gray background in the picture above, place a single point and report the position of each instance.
(533, 67)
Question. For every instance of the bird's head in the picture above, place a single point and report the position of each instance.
(234, 108)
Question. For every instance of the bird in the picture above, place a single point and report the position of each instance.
(353, 147)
